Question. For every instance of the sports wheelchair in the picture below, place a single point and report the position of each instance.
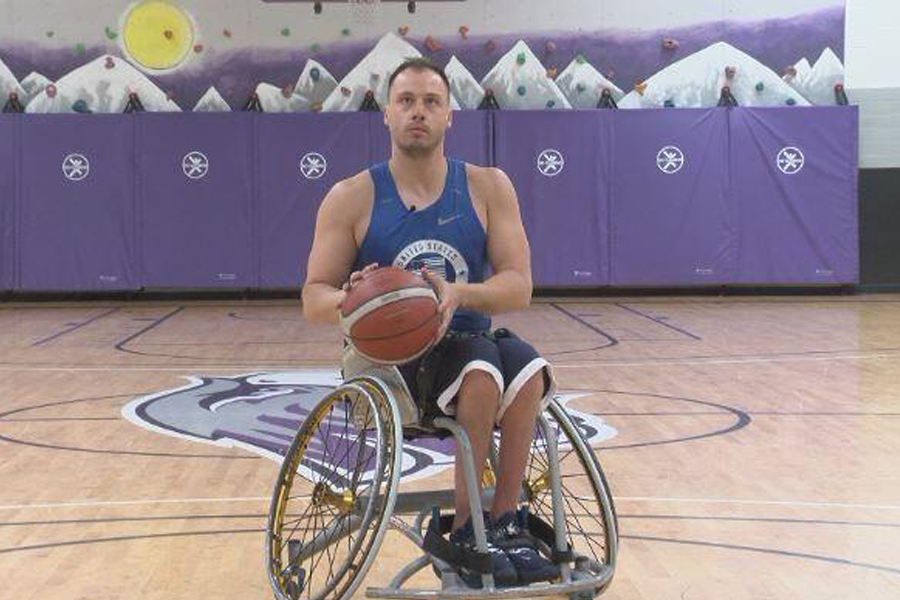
(337, 494)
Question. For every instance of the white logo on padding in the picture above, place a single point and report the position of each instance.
(670, 160)
(550, 162)
(313, 165)
(790, 160)
(438, 257)
(195, 165)
(76, 167)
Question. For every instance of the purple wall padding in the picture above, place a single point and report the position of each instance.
(8, 197)
(467, 139)
(196, 230)
(672, 222)
(76, 233)
(799, 226)
(291, 150)
(564, 209)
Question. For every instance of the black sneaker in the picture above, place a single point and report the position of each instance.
(508, 532)
(504, 571)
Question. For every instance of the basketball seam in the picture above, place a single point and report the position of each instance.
(369, 306)
(395, 334)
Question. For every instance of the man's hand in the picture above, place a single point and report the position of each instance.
(448, 298)
(355, 277)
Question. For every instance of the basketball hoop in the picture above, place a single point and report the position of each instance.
(363, 11)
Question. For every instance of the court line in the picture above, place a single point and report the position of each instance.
(324, 365)
(658, 321)
(74, 327)
(744, 501)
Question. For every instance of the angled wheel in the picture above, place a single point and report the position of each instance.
(335, 494)
(590, 516)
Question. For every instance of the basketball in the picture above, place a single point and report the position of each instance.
(390, 316)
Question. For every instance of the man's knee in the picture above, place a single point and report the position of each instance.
(479, 389)
(533, 390)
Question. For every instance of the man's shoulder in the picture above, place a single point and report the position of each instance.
(355, 191)
(355, 187)
(486, 181)
(484, 175)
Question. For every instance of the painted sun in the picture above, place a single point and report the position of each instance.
(157, 35)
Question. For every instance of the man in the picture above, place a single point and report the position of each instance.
(459, 225)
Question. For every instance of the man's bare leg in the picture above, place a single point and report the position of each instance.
(476, 409)
(516, 435)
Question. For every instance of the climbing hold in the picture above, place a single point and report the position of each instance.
(111, 33)
(110, 63)
(579, 87)
(550, 47)
(551, 73)
(432, 44)
(168, 34)
(521, 90)
(80, 106)
(315, 48)
(316, 106)
(314, 74)
(670, 44)
(198, 48)
(345, 31)
(580, 59)
(760, 86)
(50, 90)
(490, 45)
(287, 91)
(730, 73)
(520, 58)
(790, 102)
(50, 34)
(669, 103)
(403, 30)
(790, 72)
(641, 87)
(226, 33)
(286, 32)
(80, 48)
(551, 103)
(464, 32)
(346, 91)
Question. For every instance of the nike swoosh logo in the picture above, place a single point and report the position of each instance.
(447, 220)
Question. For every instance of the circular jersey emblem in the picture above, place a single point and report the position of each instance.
(438, 257)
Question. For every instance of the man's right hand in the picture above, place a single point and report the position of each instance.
(355, 278)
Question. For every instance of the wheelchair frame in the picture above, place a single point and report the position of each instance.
(376, 401)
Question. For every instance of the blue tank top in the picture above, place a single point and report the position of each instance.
(446, 237)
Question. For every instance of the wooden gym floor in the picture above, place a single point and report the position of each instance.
(754, 456)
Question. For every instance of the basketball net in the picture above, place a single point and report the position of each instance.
(363, 11)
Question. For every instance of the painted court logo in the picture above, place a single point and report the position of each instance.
(261, 412)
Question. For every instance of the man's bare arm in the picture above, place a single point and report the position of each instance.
(332, 254)
(509, 288)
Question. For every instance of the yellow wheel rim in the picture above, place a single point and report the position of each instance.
(158, 35)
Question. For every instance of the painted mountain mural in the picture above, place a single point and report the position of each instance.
(764, 63)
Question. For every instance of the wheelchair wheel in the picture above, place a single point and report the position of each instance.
(335, 494)
(591, 523)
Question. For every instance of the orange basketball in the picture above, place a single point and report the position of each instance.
(391, 316)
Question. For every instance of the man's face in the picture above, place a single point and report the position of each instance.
(418, 111)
